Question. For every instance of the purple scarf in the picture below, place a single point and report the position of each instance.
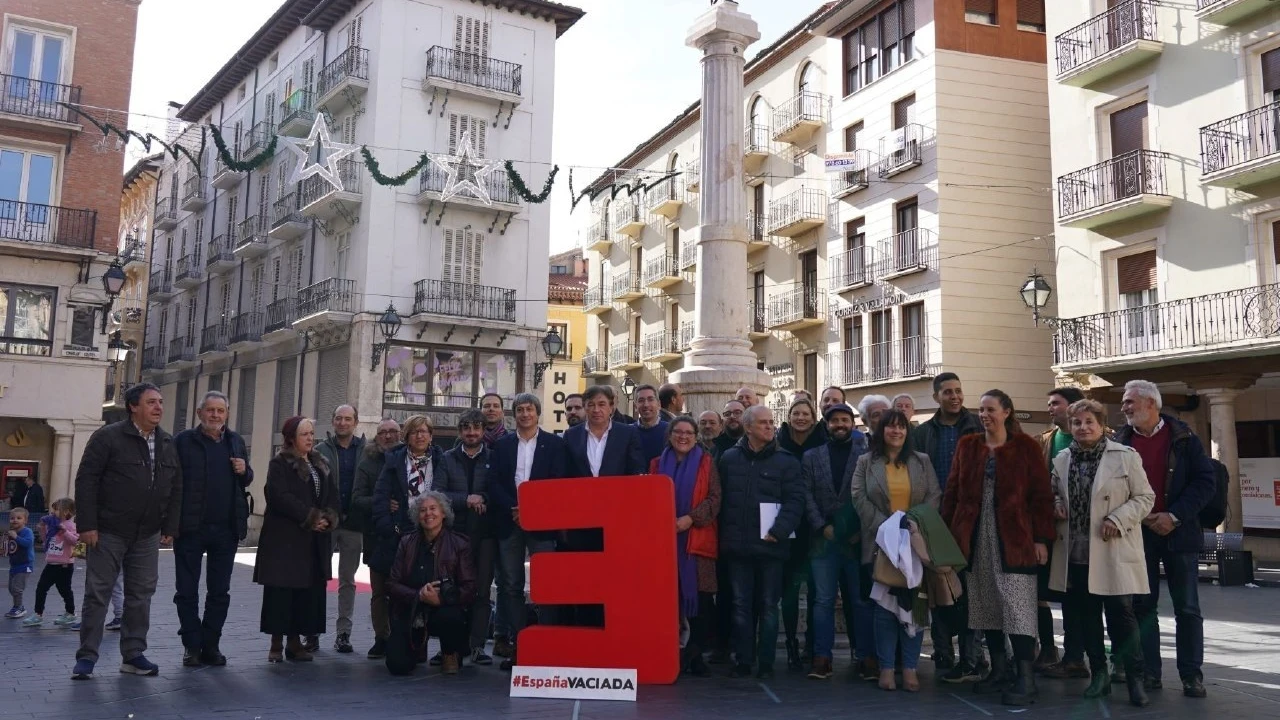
(685, 476)
(493, 435)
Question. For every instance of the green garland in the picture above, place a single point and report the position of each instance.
(125, 134)
(375, 171)
(249, 165)
(517, 184)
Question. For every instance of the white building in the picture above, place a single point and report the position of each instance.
(271, 290)
(874, 279)
(1166, 152)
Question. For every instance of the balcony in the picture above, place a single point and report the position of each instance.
(344, 81)
(221, 253)
(757, 328)
(278, 324)
(166, 213)
(246, 330)
(797, 119)
(626, 286)
(686, 336)
(297, 113)
(194, 196)
(160, 285)
(756, 148)
(1243, 322)
(188, 272)
(906, 253)
(856, 178)
(757, 239)
(597, 237)
(901, 150)
(1227, 12)
(797, 309)
(797, 213)
(214, 338)
(256, 139)
(851, 269)
(662, 271)
(661, 346)
(153, 358)
(319, 199)
(692, 175)
(287, 221)
(432, 182)
(24, 101)
(667, 198)
(628, 217)
(332, 301)
(688, 255)
(625, 357)
(593, 300)
(471, 74)
(134, 254)
(47, 224)
(884, 362)
(1243, 150)
(1123, 187)
(1118, 39)
(594, 364)
(224, 178)
(251, 237)
(464, 300)
(181, 351)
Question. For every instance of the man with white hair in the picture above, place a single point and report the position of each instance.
(1184, 482)
(905, 403)
(747, 397)
(870, 408)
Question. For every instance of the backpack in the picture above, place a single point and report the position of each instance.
(1214, 513)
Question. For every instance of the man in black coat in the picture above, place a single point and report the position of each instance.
(215, 518)
(760, 481)
(33, 500)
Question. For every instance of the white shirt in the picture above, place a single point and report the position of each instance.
(524, 457)
(1158, 427)
(595, 449)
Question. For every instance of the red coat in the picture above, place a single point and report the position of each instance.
(1023, 502)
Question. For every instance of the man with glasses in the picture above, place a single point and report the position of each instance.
(732, 426)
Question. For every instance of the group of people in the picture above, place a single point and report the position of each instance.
(1082, 515)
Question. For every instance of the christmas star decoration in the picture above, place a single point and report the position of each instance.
(330, 151)
(466, 173)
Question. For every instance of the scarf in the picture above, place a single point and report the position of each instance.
(494, 434)
(685, 475)
(419, 473)
(1084, 466)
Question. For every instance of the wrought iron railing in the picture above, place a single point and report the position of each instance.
(688, 254)
(221, 249)
(352, 63)
(796, 304)
(686, 336)
(181, 350)
(901, 149)
(756, 317)
(482, 302)
(37, 98)
(1237, 318)
(1137, 172)
(692, 174)
(285, 210)
(597, 232)
(193, 188)
(662, 342)
(625, 283)
(900, 359)
(666, 191)
(315, 188)
(166, 210)
(627, 210)
(799, 206)
(247, 327)
(134, 251)
(594, 363)
(852, 267)
(252, 229)
(756, 224)
(497, 185)
(475, 70)
(908, 251)
(214, 337)
(857, 177)
(153, 358)
(33, 222)
(160, 282)
(1125, 23)
(328, 295)
(662, 266)
(256, 139)
(1237, 140)
(188, 267)
(300, 106)
(806, 106)
(280, 314)
(756, 140)
(593, 297)
(627, 353)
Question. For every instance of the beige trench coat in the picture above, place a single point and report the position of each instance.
(1122, 494)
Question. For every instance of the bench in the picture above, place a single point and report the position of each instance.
(1215, 541)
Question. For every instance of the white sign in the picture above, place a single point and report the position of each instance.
(900, 139)
(842, 162)
(1260, 492)
(573, 683)
(80, 352)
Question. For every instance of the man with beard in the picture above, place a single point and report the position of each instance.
(575, 411)
(1053, 441)
(732, 426)
(367, 472)
(709, 427)
(495, 419)
(672, 401)
(653, 429)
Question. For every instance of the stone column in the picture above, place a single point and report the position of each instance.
(61, 480)
(721, 359)
(1222, 441)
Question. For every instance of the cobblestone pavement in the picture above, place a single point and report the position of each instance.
(1242, 675)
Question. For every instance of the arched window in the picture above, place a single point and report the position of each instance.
(756, 116)
(809, 78)
(674, 164)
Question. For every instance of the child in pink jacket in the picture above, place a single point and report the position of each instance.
(60, 563)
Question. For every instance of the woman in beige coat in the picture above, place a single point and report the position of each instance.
(1101, 495)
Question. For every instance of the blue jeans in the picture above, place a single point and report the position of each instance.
(890, 634)
(1182, 571)
(510, 567)
(828, 568)
(189, 552)
(756, 585)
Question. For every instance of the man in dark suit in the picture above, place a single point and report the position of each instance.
(527, 454)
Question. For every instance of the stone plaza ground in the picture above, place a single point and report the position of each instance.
(1242, 673)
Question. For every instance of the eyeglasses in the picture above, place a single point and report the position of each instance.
(732, 413)
(421, 431)
(683, 433)
(388, 432)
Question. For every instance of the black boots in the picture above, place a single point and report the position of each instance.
(1024, 690)
(995, 681)
(691, 661)
(793, 655)
(1137, 688)
(1099, 682)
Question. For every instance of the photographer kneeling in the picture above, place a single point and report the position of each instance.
(432, 584)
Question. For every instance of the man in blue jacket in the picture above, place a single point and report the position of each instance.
(1184, 482)
(214, 519)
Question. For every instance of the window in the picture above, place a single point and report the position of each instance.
(215, 382)
(811, 373)
(459, 125)
(1270, 62)
(37, 62)
(342, 254)
(351, 35)
(1031, 15)
(26, 177)
(559, 269)
(241, 93)
(471, 35)
(851, 134)
(1275, 250)
(981, 11)
(255, 288)
(1136, 286)
(447, 377)
(191, 320)
(245, 400)
(164, 326)
(1128, 129)
(912, 360)
(904, 112)
(83, 328)
(880, 45)
(181, 403)
(463, 253)
(273, 64)
(224, 299)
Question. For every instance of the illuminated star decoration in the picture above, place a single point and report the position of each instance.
(330, 151)
(466, 173)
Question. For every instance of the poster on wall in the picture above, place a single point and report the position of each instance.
(1260, 492)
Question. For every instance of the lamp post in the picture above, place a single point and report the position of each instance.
(628, 387)
(1036, 292)
(388, 324)
(112, 282)
(552, 345)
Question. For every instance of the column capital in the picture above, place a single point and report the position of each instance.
(1227, 381)
(62, 427)
(724, 22)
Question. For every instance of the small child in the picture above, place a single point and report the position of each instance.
(60, 563)
(20, 546)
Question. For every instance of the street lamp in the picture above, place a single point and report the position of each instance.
(1035, 293)
(117, 351)
(388, 324)
(552, 345)
(628, 387)
(112, 282)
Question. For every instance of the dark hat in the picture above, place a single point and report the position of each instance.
(839, 407)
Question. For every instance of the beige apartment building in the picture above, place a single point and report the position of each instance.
(876, 278)
(1166, 149)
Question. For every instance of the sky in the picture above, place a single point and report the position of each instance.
(622, 72)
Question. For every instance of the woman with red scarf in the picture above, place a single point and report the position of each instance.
(697, 489)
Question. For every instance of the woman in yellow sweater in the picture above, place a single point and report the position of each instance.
(892, 477)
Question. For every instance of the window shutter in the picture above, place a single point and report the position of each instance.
(484, 40)
(1275, 242)
(297, 270)
(904, 112)
(453, 133)
(357, 30)
(1128, 129)
(892, 28)
(1271, 71)
(457, 33)
(1136, 273)
(474, 257)
(1031, 12)
(331, 385)
(980, 6)
(269, 112)
(244, 406)
(286, 389)
(448, 268)
(478, 128)
(908, 17)
(275, 279)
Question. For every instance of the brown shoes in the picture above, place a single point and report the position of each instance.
(1065, 669)
(449, 664)
(821, 669)
(869, 669)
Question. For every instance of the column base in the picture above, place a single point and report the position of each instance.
(709, 388)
